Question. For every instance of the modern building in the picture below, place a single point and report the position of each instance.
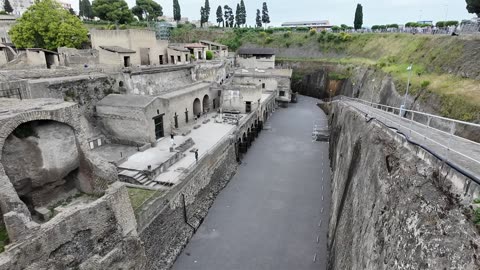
(6, 22)
(317, 25)
(19, 6)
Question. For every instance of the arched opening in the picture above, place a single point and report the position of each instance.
(206, 101)
(41, 159)
(197, 108)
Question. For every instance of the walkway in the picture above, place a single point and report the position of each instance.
(268, 216)
(464, 154)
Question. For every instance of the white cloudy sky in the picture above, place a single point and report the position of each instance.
(337, 11)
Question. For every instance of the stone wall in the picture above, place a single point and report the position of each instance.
(166, 234)
(98, 235)
(394, 205)
(158, 81)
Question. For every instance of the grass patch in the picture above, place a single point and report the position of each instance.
(138, 196)
(3, 238)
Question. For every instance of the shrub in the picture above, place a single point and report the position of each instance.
(312, 32)
(287, 34)
(209, 55)
(335, 28)
(123, 27)
(268, 40)
(425, 84)
(287, 44)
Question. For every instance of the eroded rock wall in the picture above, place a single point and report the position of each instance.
(395, 206)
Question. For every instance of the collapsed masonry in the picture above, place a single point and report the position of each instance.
(68, 136)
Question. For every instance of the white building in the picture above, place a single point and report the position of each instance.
(317, 25)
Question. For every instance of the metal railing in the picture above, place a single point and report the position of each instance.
(411, 118)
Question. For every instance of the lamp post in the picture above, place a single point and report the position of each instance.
(373, 91)
(402, 108)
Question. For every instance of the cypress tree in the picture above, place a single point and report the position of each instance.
(228, 16)
(202, 16)
(259, 19)
(265, 16)
(81, 11)
(177, 16)
(243, 13)
(220, 16)
(87, 9)
(358, 21)
(7, 7)
(238, 15)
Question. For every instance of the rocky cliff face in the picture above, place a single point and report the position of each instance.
(394, 206)
(41, 159)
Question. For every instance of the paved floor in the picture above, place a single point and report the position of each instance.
(464, 153)
(268, 216)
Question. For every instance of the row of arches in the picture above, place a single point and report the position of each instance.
(200, 107)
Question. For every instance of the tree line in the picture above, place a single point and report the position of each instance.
(226, 17)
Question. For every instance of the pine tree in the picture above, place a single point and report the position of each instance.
(243, 13)
(177, 16)
(7, 7)
(220, 16)
(238, 15)
(259, 19)
(265, 16)
(358, 22)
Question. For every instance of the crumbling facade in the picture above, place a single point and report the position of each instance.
(70, 137)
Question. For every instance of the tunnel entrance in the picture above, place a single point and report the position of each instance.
(41, 160)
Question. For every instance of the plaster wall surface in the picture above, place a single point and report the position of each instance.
(394, 205)
(159, 82)
(253, 62)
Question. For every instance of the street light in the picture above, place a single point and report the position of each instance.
(402, 108)
(373, 91)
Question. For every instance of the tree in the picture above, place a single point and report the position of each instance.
(204, 13)
(473, 6)
(112, 10)
(47, 25)
(85, 9)
(81, 11)
(228, 16)
(7, 7)
(147, 10)
(243, 13)
(220, 16)
(177, 15)
(238, 15)
(259, 19)
(358, 22)
(265, 16)
(71, 11)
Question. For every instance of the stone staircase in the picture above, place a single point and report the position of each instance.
(141, 178)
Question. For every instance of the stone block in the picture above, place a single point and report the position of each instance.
(43, 213)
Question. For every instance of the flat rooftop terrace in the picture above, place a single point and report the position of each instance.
(263, 72)
(11, 107)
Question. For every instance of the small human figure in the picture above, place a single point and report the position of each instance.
(196, 155)
(172, 139)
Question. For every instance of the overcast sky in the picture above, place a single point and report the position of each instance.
(337, 11)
